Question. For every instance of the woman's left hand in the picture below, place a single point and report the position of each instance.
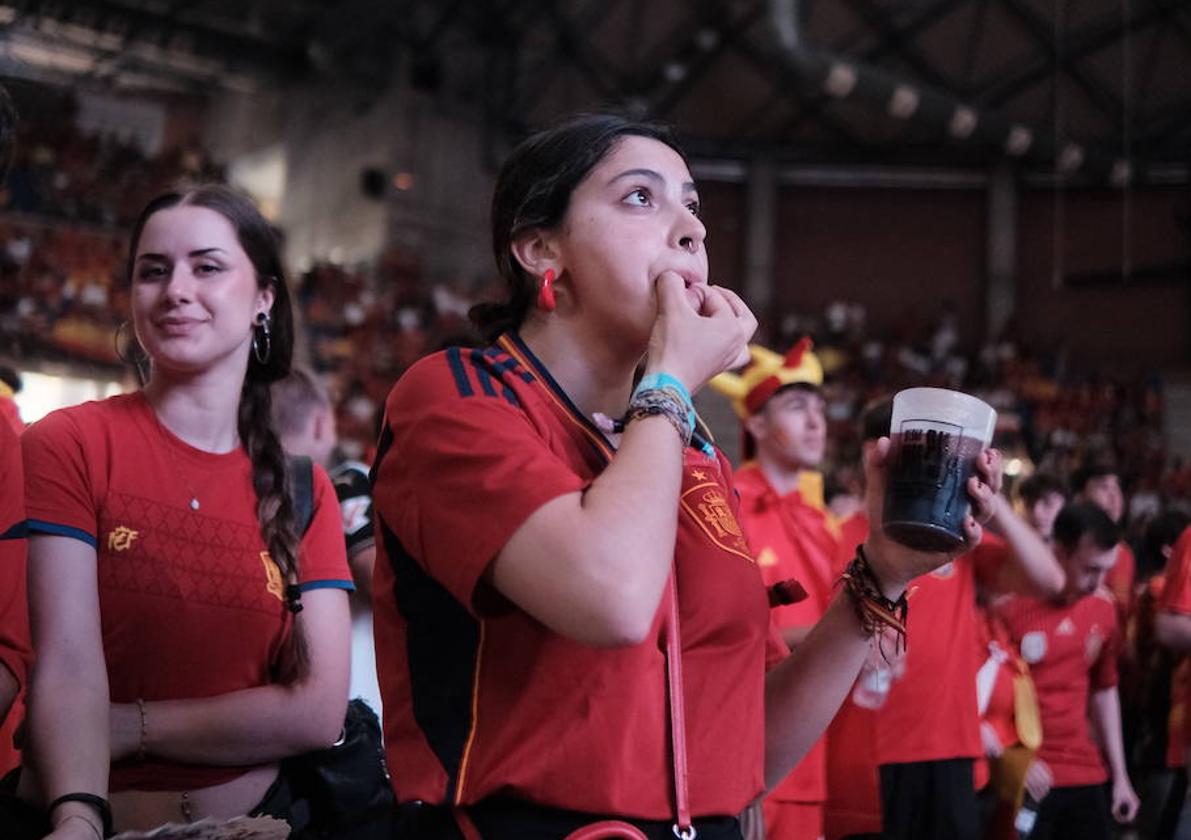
(896, 565)
(125, 730)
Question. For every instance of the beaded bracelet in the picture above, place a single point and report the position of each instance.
(875, 612)
(671, 384)
(666, 402)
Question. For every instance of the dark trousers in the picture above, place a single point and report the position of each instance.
(929, 800)
(1072, 813)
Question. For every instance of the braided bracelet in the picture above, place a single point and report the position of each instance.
(101, 806)
(666, 402)
(875, 612)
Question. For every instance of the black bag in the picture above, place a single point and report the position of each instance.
(347, 785)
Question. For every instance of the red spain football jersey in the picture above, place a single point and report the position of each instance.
(853, 788)
(931, 711)
(14, 621)
(793, 536)
(1176, 598)
(1119, 581)
(190, 603)
(1072, 651)
(480, 699)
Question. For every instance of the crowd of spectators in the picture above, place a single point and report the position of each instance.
(71, 196)
(66, 205)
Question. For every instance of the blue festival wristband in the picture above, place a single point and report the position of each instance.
(664, 380)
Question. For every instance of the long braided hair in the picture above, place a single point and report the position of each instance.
(275, 508)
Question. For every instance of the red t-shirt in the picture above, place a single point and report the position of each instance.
(1176, 598)
(931, 711)
(1119, 581)
(14, 620)
(480, 699)
(190, 603)
(793, 536)
(853, 788)
(1072, 652)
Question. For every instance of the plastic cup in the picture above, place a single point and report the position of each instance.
(936, 437)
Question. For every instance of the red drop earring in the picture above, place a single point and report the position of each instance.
(546, 299)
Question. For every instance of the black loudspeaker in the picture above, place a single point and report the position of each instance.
(373, 182)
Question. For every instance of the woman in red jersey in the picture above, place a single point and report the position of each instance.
(188, 633)
(525, 539)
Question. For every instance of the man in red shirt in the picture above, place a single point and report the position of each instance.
(1070, 642)
(1099, 484)
(14, 624)
(1042, 496)
(790, 531)
(1172, 627)
(927, 732)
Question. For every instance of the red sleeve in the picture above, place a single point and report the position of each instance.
(491, 468)
(59, 498)
(14, 621)
(988, 559)
(324, 555)
(1176, 594)
(776, 648)
(1104, 671)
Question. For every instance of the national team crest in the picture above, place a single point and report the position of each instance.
(709, 507)
(1033, 646)
(121, 538)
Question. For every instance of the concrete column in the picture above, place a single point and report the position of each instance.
(1001, 269)
(760, 221)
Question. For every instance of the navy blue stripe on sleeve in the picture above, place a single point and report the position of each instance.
(346, 585)
(460, 373)
(53, 529)
(18, 531)
(482, 374)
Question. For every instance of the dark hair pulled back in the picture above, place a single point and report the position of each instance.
(533, 190)
(275, 509)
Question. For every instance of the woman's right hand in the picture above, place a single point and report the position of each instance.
(694, 344)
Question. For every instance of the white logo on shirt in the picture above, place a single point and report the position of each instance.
(354, 513)
(1066, 628)
(1094, 643)
(1033, 646)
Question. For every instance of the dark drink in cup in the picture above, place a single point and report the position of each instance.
(936, 437)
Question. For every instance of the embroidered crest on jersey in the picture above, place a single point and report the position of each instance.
(120, 538)
(1066, 627)
(767, 557)
(1093, 644)
(1033, 646)
(272, 576)
(709, 507)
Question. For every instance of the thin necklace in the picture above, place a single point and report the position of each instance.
(169, 448)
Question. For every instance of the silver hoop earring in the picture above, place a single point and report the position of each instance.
(129, 350)
(262, 343)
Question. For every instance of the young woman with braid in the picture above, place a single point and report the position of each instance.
(188, 634)
(525, 541)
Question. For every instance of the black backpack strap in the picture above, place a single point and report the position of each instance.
(301, 491)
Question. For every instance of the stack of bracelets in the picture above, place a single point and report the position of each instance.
(661, 393)
(875, 612)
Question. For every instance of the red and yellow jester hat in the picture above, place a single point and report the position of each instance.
(766, 373)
